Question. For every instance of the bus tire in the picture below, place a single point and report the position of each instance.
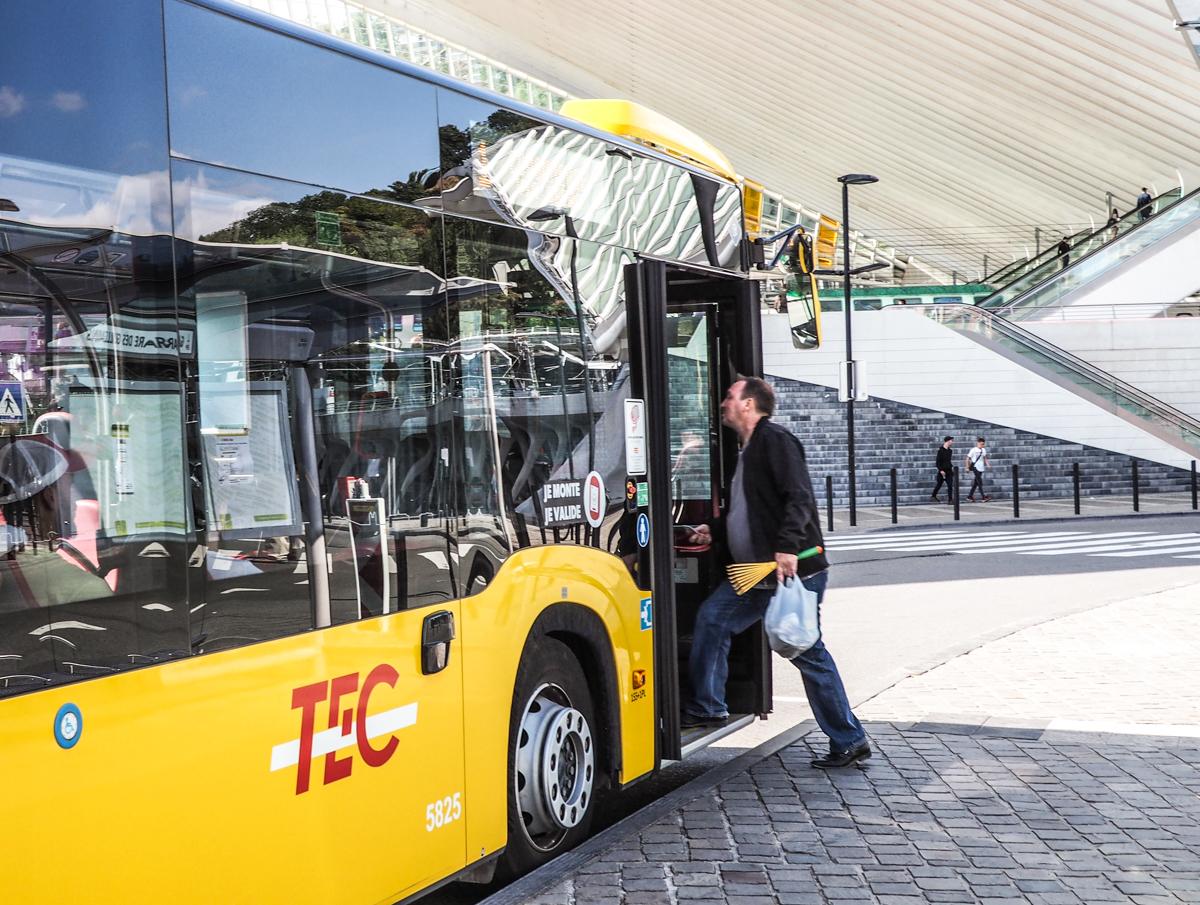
(553, 764)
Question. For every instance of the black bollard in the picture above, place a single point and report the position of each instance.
(1075, 481)
(829, 499)
(1133, 464)
(1016, 491)
(1194, 506)
(956, 493)
(894, 513)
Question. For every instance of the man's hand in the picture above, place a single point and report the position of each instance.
(785, 565)
(701, 534)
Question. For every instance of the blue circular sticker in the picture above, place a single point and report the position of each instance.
(643, 529)
(68, 725)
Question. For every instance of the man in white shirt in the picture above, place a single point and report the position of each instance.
(977, 464)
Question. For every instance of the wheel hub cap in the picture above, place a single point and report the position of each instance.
(555, 767)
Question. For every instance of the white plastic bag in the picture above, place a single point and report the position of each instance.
(791, 619)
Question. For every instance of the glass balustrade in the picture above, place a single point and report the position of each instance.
(1075, 374)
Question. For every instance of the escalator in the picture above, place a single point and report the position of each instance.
(1079, 377)
(1082, 243)
(1044, 282)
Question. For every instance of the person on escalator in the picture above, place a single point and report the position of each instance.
(1145, 204)
(1064, 249)
(1113, 219)
(772, 515)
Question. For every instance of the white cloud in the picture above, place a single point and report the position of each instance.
(11, 103)
(68, 101)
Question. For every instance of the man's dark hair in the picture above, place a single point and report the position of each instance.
(760, 391)
(944, 439)
(980, 440)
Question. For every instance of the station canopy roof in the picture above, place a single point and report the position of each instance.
(983, 119)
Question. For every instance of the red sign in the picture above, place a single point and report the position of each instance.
(594, 502)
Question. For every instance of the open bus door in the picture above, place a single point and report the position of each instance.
(691, 330)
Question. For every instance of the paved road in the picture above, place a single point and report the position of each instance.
(1072, 783)
(897, 607)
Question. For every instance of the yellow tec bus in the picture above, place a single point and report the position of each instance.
(346, 416)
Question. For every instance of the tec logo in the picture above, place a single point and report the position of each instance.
(344, 701)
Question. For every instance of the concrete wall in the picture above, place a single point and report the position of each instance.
(1158, 355)
(912, 359)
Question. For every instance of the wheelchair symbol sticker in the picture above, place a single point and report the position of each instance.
(68, 725)
(647, 613)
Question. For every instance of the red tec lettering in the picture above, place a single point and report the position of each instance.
(348, 725)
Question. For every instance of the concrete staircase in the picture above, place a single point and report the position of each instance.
(905, 437)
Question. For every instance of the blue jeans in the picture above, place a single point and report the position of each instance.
(722, 615)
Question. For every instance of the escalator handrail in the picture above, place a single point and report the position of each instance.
(1016, 301)
(1052, 253)
(1168, 413)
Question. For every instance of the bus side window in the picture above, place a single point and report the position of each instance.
(327, 448)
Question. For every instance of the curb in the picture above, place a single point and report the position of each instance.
(569, 863)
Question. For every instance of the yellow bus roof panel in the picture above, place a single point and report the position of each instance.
(635, 122)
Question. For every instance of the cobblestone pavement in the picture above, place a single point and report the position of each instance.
(999, 805)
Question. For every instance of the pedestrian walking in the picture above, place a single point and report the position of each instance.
(945, 471)
(1145, 204)
(977, 463)
(772, 515)
(1064, 248)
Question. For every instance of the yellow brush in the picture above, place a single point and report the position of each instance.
(745, 575)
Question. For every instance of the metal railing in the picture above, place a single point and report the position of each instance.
(1066, 370)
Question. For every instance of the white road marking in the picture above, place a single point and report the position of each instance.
(329, 740)
(1121, 544)
(901, 542)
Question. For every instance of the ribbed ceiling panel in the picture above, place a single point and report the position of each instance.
(982, 118)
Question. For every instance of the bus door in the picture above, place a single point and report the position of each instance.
(691, 331)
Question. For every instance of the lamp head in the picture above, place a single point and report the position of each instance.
(857, 179)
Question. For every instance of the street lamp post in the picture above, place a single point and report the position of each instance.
(851, 390)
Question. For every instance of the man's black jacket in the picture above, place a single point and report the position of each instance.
(945, 460)
(782, 510)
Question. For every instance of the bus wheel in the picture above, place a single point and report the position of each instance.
(553, 772)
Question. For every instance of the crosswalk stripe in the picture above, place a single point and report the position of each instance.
(1184, 547)
(1111, 543)
(1036, 540)
(901, 542)
(1120, 544)
(905, 535)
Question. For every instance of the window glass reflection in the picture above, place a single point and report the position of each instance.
(502, 166)
(342, 386)
(541, 390)
(246, 97)
(93, 540)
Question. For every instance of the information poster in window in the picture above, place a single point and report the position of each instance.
(126, 452)
(251, 477)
